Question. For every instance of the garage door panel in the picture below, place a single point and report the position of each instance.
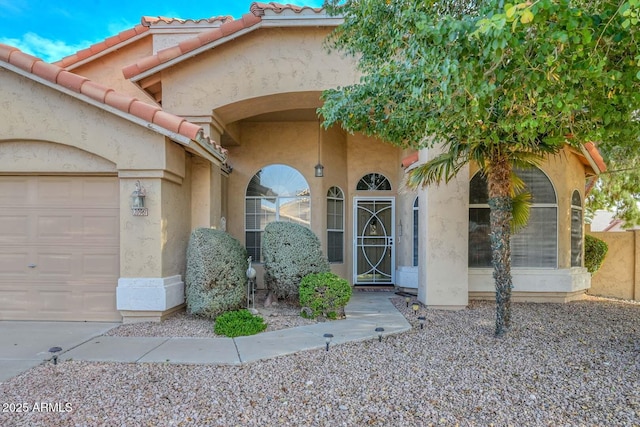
(67, 230)
(14, 302)
(14, 191)
(56, 300)
(100, 193)
(95, 304)
(54, 263)
(14, 265)
(101, 228)
(56, 191)
(55, 227)
(14, 228)
(99, 266)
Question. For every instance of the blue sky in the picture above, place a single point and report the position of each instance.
(53, 29)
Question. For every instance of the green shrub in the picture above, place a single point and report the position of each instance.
(290, 251)
(216, 273)
(239, 323)
(325, 294)
(595, 251)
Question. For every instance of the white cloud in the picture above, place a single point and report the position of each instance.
(11, 6)
(46, 49)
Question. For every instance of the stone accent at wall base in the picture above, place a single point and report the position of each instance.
(544, 297)
(144, 299)
(148, 316)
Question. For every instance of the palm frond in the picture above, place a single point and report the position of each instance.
(441, 168)
(517, 184)
(520, 211)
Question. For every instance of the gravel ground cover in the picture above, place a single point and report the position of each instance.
(575, 364)
(280, 315)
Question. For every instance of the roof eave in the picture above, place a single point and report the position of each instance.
(180, 139)
(105, 52)
(265, 22)
(143, 75)
(591, 153)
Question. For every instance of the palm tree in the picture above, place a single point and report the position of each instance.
(508, 202)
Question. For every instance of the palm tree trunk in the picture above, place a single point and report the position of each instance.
(500, 204)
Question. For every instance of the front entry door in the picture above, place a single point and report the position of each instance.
(374, 245)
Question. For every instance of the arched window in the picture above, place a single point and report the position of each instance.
(576, 229)
(335, 225)
(374, 182)
(536, 245)
(275, 193)
(415, 232)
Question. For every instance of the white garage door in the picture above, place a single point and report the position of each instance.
(59, 248)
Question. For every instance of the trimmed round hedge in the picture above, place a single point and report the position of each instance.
(215, 277)
(595, 250)
(290, 252)
(325, 294)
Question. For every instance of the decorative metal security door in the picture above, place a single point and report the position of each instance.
(374, 245)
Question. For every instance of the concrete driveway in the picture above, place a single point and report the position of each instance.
(24, 345)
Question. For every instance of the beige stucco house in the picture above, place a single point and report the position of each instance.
(214, 122)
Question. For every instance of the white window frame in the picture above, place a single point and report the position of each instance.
(336, 230)
(260, 231)
(533, 206)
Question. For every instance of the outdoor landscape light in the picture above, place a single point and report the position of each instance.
(421, 319)
(327, 340)
(55, 350)
(379, 330)
(407, 299)
(415, 307)
(137, 200)
(251, 289)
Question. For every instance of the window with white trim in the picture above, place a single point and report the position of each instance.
(275, 193)
(536, 245)
(374, 182)
(335, 225)
(576, 229)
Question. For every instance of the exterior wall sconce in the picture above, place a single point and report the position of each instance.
(137, 201)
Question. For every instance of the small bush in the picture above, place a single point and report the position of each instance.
(325, 294)
(216, 273)
(239, 323)
(290, 251)
(595, 250)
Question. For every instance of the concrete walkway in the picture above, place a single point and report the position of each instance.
(25, 344)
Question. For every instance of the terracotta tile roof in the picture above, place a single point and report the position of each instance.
(146, 23)
(596, 156)
(258, 8)
(102, 46)
(409, 160)
(257, 11)
(206, 37)
(97, 92)
(160, 20)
